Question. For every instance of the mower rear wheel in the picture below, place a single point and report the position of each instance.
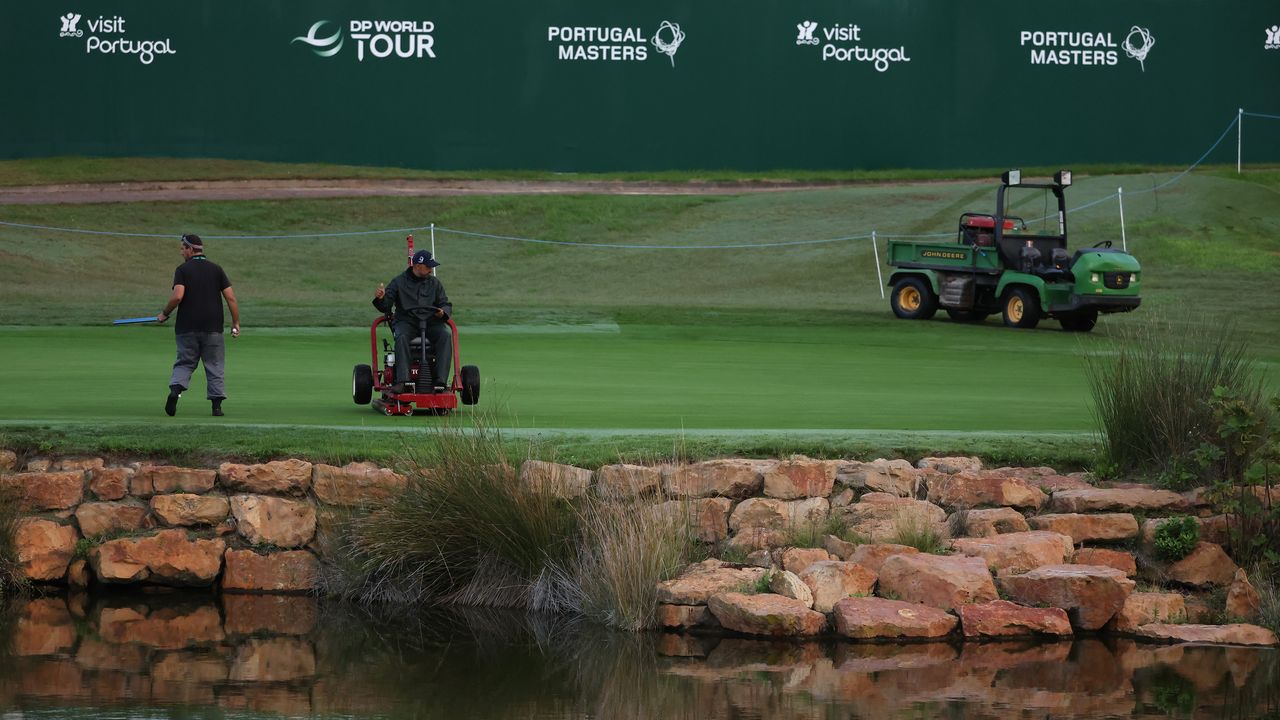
(913, 299)
(470, 384)
(1021, 308)
(362, 384)
(1081, 321)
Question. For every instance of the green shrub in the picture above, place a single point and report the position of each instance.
(762, 584)
(1150, 396)
(1177, 537)
(1246, 447)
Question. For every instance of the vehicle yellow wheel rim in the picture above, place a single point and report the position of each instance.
(909, 299)
(1015, 309)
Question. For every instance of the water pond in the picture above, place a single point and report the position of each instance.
(179, 655)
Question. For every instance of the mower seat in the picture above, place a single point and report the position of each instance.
(415, 347)
(1058, 268)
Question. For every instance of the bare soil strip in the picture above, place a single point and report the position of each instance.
(287, 189)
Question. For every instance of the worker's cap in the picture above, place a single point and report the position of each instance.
(423, 257)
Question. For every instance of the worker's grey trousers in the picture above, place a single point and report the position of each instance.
(441, 348)
(196, 347)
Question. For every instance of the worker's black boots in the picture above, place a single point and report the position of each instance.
(171, 404)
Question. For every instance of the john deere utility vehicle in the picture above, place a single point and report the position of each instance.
(999, 265)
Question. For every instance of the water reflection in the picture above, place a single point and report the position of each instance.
(178, 654)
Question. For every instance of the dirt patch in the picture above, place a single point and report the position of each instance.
(290, 189)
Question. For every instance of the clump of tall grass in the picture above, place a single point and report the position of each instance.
(12, 579)
(625, 549)
(913, 530)
(1266, 581)
(1151, 393)
(813, 534)
(465, 530)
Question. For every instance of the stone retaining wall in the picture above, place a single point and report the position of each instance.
(1030, 535)
(245, 528)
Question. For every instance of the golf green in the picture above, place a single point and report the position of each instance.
(868, 374)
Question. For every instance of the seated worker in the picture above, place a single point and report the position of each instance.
(416, 294)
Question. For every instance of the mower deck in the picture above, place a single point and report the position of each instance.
(406, 403)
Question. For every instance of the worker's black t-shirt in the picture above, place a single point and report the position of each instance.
(201, 306)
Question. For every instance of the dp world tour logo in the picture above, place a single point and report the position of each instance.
(322, 46)
(804, 34)
(69, 28)
(1273, 37)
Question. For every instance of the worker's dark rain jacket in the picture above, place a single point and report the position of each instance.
(414, 297)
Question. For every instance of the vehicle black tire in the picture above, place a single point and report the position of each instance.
(913, 299)
(470, 384)
(1080, 321)
(967, 316)
(362, 384)
(1021, 308)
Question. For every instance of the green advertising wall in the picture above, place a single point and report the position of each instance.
(579, 85)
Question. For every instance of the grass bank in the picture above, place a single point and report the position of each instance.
(206, 445)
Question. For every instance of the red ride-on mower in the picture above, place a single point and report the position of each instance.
(464, 384)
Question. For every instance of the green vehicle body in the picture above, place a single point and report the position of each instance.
(996, 265)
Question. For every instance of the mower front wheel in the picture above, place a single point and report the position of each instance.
(913, 299)
(362, 384)
(1021, 308)
(470, 384)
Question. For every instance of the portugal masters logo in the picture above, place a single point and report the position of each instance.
(667, 40)
(615, 43)
(1090, 47)
(322, 46)
(804, 33)
(69, 28)
(1273, 38)
(1138, 43)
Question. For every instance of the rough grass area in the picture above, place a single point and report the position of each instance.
(1207, 243)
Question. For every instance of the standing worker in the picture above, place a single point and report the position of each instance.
(417, 295)
(199, 287)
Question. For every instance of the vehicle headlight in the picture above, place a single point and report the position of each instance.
(390, 359)
(1094, 278)
(1133, 277)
